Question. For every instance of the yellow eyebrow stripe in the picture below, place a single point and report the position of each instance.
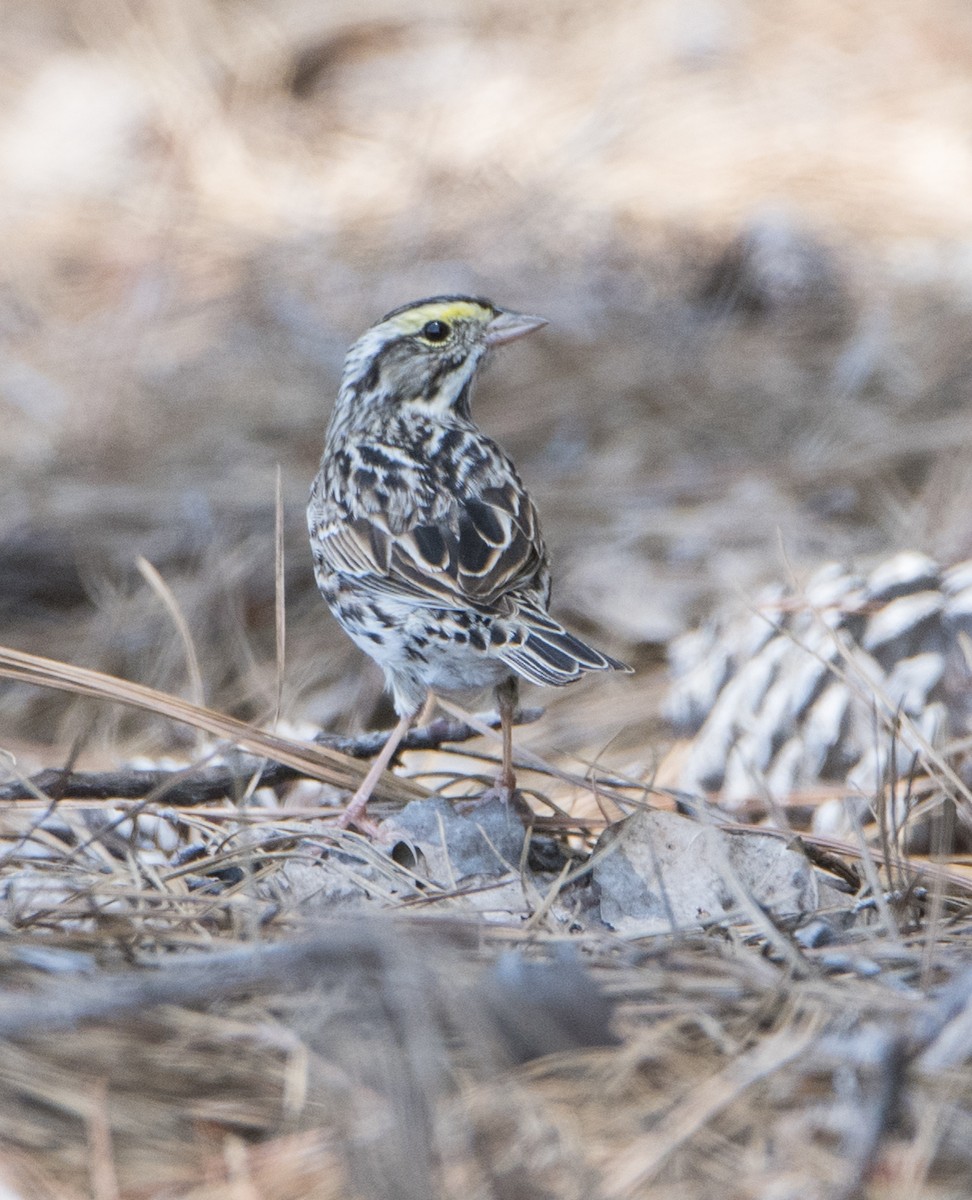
(452, 310)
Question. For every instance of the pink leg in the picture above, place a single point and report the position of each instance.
(359, 801)
(507, 698)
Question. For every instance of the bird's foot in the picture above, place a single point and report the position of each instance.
(355, 815)
(504, 785)
(505, 789)
(497, 791)
(358, 824)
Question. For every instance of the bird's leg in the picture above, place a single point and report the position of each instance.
(508, 702)
(359, 801)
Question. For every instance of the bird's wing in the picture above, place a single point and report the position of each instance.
(485, 547)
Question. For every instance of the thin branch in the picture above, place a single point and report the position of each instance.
(199, 785)
(280, 608)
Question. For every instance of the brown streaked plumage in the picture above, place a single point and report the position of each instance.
(426, 545)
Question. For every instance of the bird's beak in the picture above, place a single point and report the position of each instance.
(508, 326)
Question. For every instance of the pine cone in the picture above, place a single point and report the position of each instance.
(825, 686)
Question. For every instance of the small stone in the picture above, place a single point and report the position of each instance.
(485, 839)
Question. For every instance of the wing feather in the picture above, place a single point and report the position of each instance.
(481, 550)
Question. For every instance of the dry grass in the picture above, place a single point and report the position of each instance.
(180, 1017)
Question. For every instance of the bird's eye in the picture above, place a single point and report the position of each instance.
(435, 331)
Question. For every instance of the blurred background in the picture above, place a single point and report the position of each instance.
(750, 226)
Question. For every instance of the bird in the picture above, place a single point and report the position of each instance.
(426, 545)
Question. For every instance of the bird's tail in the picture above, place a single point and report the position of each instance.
(543, 652)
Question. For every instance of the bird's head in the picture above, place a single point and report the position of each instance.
(424, 355)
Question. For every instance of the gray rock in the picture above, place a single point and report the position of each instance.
(449, 844)
(658, 871)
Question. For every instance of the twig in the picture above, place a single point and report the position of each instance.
(878, 1108)
(198, 785)
(329, 954)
